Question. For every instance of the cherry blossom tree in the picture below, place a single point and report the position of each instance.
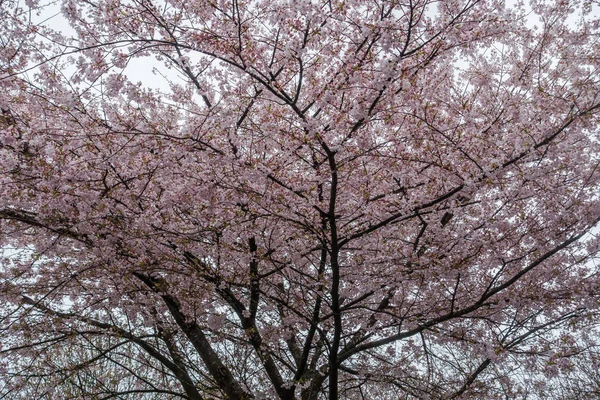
(324, 199)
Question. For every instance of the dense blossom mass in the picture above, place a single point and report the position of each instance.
(308, 199)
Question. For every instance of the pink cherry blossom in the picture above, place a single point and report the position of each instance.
(322, 200)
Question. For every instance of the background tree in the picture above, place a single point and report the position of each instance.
(334, 199)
